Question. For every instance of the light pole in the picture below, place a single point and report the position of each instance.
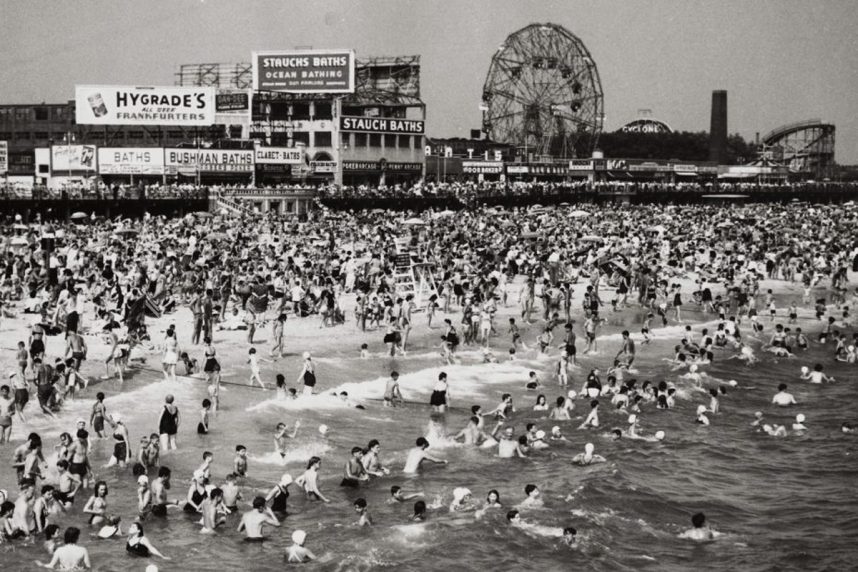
(69, 139)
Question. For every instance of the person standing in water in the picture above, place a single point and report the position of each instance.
(440, 398)
(168, 424)
(418, 454)
(308, 375)
(253, 521)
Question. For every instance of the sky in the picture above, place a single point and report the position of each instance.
(781, 61)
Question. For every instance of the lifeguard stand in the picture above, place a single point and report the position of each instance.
(411, 275)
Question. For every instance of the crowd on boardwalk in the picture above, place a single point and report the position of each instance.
(105, 277)
(459, 189)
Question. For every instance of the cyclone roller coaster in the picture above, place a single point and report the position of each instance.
(806, 148)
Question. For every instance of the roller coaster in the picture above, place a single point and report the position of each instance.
(806, 148)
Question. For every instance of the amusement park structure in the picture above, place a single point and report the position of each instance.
(543, 94)
(806, 148)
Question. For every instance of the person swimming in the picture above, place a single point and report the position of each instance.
(699, 530)
(588, 457)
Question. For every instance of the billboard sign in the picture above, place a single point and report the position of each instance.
(323, 166)
(232, 101)
(580, 165)
(381, 125)
(279, 155)
(129, 105)
(4, 157)
(73, 158)
(208, 161)
(131, 161)
(487, 167)
(304, 71)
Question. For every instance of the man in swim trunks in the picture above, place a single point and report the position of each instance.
(252, 521)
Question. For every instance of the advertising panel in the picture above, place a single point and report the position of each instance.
(232, 101)
(381, 125)
(129, 105)
(208, 161)
(486, 167)
(4, 157)
(304, 71)
(516, 169)
(279, 155)
(131, 161)
(73, 158)
(323, 167)
(382, 166)
(580, 165)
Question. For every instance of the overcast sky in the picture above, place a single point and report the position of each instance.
(781, 61)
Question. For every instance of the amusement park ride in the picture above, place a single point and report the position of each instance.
(543, 94)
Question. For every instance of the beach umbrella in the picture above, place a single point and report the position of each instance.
(529, 235)
(579, 214)
(203, 214)
(218, 236)
(18, 241)
(78, 216)
(414, 222)
(536, 206)
(565, 205)
(20, 226)
(657, 228)
(592, 238)
(444, 214)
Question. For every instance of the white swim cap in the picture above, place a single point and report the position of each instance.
(323, 429)
(459, 493)
(589, 448)
(701, 409)
(633, 418)
(800, 418)
(12, 373)
(555, 429)
(299, 536)
(285, 480)
(659, 435)
(693, 368)
(142, 480)
(306, 355)
(732, 383)
(117, 417)
(199, 475)
(804, 370)
(151, 568)
(851, 348)
(540, 434)
(572, 394)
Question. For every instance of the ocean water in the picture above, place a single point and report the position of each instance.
(780, 503)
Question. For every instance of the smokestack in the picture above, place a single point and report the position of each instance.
(718, 128)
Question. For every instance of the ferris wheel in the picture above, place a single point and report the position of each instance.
(543, 93)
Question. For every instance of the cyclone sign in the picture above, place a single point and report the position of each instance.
(305, 71)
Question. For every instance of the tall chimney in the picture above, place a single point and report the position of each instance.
(718, 128)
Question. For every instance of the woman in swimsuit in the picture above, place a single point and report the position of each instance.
(308, 375)
(211, 367)
(439, 399)
(196, 493)
(96, 506)
(168, 424)
(138, 545)
(279, 494)
(171, 356)
(121, 450)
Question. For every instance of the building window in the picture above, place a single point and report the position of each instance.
(5, 135)
(41, 113)
(375, 140)
(404, 142)
(135, 135)
(300, 111)
(323, 110)
(278, 139)
(323, 138)
(235, 131)
(175, 134)
(360, 140)
(301, 137)
(390, 141)
(22, 136)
